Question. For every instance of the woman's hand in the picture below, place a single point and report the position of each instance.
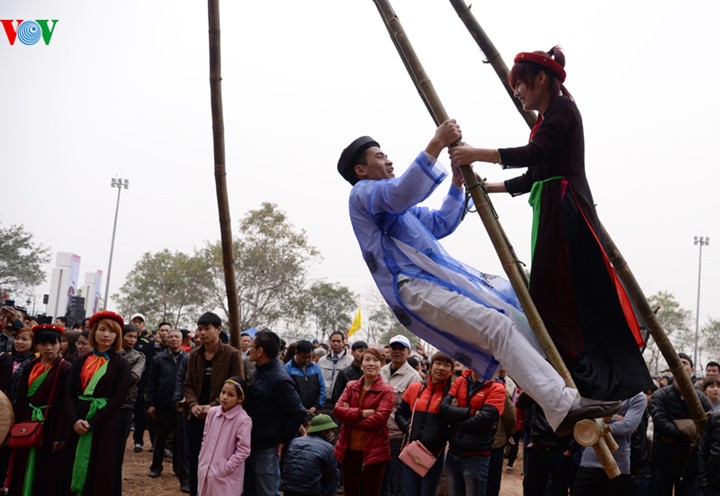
(368, 412)
(81, 427)
(462, 155)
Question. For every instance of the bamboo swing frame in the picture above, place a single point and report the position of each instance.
(602, 442)
(621, 266)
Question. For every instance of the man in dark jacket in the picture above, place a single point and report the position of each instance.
(161, 404)
(274, 406)
(673, 459)
(138, 365)
(309, 466)
(350, 373)
(473, 406)
(307, 376)
(548, 457)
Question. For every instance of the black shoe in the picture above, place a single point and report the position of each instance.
(584, 408)
(138, 448)
(185, 487)
(155, 474)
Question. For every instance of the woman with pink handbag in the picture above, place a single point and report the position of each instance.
(426, 431)
(363, 447)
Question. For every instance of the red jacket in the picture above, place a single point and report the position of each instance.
(473, 422)
(379, 398)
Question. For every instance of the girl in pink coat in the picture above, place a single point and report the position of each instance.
(226, 444)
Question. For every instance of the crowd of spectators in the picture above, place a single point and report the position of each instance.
(311, 418)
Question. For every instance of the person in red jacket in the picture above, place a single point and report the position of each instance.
(418, 416)
(363, 447)
(473, 407)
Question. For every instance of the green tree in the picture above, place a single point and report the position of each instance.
(329, 307)
(675, 320)
(166, 286)
(21, 260)
(272, 259)
(710, 339)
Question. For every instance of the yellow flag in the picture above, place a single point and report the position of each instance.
(355, 326)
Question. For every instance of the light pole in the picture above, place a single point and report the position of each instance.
(700, 241)
(119, 184)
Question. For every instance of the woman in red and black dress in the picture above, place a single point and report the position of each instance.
(96, 388)
(573, 285)
(40, 397)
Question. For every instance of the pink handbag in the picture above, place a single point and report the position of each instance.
(414, 454)
(417, 457)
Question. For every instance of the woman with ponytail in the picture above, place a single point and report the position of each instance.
(572, 283)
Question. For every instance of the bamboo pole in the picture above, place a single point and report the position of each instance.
(621, 267)
(479, 194)
(218, 125)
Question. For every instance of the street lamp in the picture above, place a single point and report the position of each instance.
(119, 184)
(700, 241)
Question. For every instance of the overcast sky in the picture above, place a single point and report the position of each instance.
(122, 90)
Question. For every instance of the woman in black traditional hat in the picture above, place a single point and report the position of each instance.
(97, 385)
(40, 397)
(573, 284)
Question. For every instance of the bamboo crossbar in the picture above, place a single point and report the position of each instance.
(618, 261)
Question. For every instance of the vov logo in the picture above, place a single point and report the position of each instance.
(29, 32)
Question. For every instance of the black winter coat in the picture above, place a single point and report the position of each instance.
(708, 467)
(428, 425)
(309, 467)
(160, 391)
(670, 446)
(274, 406)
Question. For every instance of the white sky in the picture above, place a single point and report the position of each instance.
(122, 89)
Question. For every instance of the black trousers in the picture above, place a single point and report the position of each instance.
(194, 441)
(165, 420)
(545, 465)
(664, 478)
(124, 419)
(141, 421)
(495, 472)
(594, 482)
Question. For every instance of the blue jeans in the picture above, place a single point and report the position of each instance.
(467, 475)
(262, 473)
(423, 486)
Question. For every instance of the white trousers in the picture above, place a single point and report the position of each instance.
(490, 330)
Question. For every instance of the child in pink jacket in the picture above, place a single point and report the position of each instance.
(226, 444)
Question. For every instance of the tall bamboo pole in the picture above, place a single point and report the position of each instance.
(483, 205)
(621, 267)
(218, 126)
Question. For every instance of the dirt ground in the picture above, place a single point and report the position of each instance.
(137, 482)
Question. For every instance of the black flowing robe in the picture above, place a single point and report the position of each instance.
(573, 285)
(114, 385)
(48, 465)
